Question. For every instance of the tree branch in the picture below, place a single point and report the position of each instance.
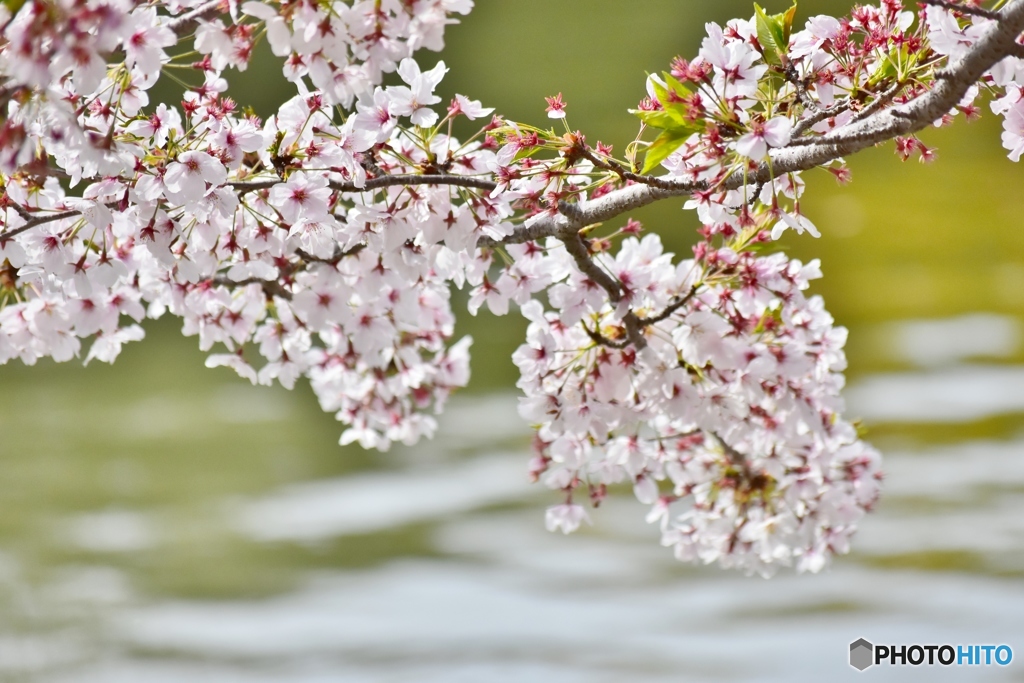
(271, 288)
(602, 340)
(875, 125)
(965, 9)
(38, 220)
(381, 182)
(671, 308)
(817, 117)
(577, 248)
(998, 41)
(338, 254)
(187, 22)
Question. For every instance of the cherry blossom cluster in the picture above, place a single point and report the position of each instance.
(727, 422)
(717, 117)
(324, 242)
(259, 235)
(57, 55)
(951, 33)
(342, 49)
(725, 384)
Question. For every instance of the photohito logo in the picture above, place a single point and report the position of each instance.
(861, 654)
(864, 654)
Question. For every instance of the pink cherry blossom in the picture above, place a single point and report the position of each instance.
(305, 196)
(187, 177)
(774, 132)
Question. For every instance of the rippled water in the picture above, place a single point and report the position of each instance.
(127, 557)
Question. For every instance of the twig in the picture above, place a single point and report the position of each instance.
(623, 173)
(414, 179)
(879, 102)
(602, 340)
(803, 125)
(183, 24)
(876, 104)
(271, 288)
(576, 247)
(39, 220)
(338, 255)
(735, 458)
(383, 181)
(965, 9)
(670, 309)
(801, 88)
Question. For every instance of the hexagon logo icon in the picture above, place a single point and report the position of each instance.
(862, 654)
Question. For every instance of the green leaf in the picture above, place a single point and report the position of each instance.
(773, 32)
(677, 87)
(13, 5)
(662, 147)
(674, 114)
(671, 94)
(660, 91)
(656, 119)
(787, 22)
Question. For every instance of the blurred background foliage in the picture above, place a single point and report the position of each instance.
(158, 432)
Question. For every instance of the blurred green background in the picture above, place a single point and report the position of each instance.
(160, 434)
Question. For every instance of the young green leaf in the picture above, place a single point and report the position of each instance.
(656, 119)
(773, 32)
(787, 22)
(674, 114)
(663, 145)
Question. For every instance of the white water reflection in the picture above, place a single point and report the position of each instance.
(113, 531)
(509, 602)
(503, 601)
(944, 341)
(418, 612)
(456, 620)
(369, 502)
(958, 394)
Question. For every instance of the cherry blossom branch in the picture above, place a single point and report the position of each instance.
(872, 125)
(412, 179)
(965, 9)
(244, 186)
(338, 254)
(671, 308)
(818, 116)
(534, 228)
(185, 23)
(800, 84)
(39, 220)
(997, 42)
(340, 324)
(806, 123)
(271, 288)
(620, 170)
(577, 248)
(602, 340)
(382, 182)
(879, 102)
